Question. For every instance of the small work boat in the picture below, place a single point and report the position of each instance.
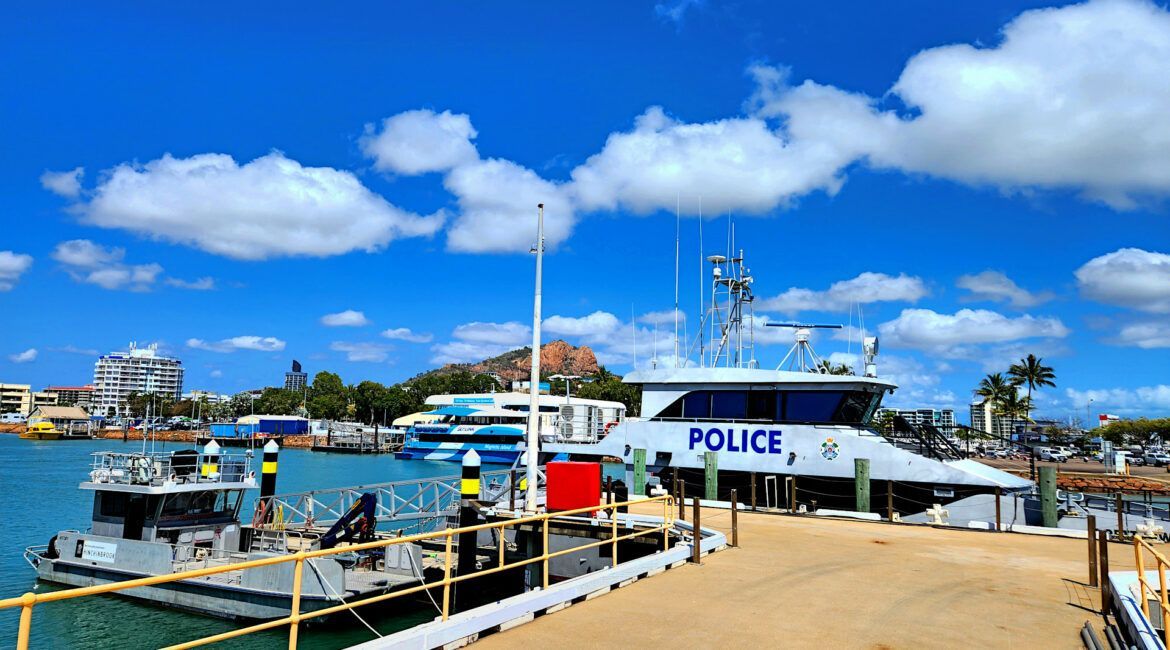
(42, 431)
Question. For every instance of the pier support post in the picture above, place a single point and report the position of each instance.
(639, 486)
(861, 483)
(890, 500)
(753, 491)
(1103, 566)
(1119, 505)
(1092, 527)
(1048, 496)
(711, 475)
(682, 500)
(792, 499)
(468, 495)
(697, 536)
(998, 510)
(608, 490)
(268, 478)
(734, 519)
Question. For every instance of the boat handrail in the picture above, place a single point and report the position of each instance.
(175, 468)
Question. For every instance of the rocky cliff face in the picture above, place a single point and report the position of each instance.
(556, 357)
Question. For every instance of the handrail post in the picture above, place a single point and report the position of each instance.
(1162, 603)
(26, 604)
(665, 524)
(298, 578)
(1141, 575)
(614, 534)
(447, 578)
(545, 555)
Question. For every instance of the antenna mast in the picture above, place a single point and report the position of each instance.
(677, 227)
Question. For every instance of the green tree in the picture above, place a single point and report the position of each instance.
(1032, 372)
(241, 404)
(829, 368)
(368, 398)
(278, 401)
(328, 396)
(614, 390)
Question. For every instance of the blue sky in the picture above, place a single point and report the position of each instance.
(984, 180)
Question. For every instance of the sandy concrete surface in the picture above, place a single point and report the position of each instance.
(808, 582)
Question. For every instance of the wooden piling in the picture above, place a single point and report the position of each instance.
(792, 501)
(696, 555)
(753, 491)
(711, 475)
(1092, 525)
(890, 500)
(682, 500)
(1119, 505)
(734, 519)
(639, 486)
(608, 490)
(1048, 496)
(999, 517)
(861, 484)
(1103, 567)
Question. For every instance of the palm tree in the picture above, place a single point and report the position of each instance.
(828, 368)
(1031, 372)
(994, 388)
(1014, 406)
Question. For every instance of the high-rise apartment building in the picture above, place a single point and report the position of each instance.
(72, 395)
(983, 418)
(138, 370)
(296, 379)
(943, 419)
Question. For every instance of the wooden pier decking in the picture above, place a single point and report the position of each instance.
(816, 582)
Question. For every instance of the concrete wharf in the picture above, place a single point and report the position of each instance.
(810, 581)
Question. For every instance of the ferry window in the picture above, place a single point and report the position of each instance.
(761, 405)
(697, 405)
(812, 405)
(728, 405)
(672, 411)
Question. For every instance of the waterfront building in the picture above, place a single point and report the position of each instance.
(296, 379)
(211, 397)
(942, 419)
(983, 418)
(15, 398)
(138, 370)
(72, 395)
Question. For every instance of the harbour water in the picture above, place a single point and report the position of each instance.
(39, 497)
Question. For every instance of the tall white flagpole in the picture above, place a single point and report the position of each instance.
(533, 446)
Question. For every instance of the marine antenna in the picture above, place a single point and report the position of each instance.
(802, 357)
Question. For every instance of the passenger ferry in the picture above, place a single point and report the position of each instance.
(494, 425)
(770, 431)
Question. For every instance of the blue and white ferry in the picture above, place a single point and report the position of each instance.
(494, 425)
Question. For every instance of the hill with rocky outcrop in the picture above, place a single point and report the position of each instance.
(556, 357)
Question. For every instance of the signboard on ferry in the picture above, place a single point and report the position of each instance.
(475, 400)
(760, 441)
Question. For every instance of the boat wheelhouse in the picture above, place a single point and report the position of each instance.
(494, 425)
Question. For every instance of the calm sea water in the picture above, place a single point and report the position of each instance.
(39, 497)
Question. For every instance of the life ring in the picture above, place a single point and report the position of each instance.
(610, 425)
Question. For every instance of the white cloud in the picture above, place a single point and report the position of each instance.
(1144, 400)
(347, 318)
(215, 374)
(270, 207)
(1129, 277)
(510, 333)
(421, 141)
(67, 184)
(952, 335)
(675, 10)
(405, 334)
(257, 343)
(23, 357)
(72, 349)
(995, 286)
(92, 263)
(594, 327)
(206, 283)
(1072, 97)
(736, 164)
(662, 318)
(866, 288)
(1147, 335)
(12, 266)
(373, 352)
(477, 341)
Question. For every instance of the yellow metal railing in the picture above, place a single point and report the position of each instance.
(293, 620)
(1140, 546)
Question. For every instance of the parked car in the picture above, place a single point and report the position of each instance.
(1157, 458)
(1052, 454)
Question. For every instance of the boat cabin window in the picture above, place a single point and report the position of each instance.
(818, 406)
(186, 505)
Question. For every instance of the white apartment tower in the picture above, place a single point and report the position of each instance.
(141, 370)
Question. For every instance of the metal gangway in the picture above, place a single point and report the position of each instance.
(419, 501)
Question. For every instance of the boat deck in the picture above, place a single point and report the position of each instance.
(816, 582)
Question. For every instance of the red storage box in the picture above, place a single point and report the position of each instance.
(572, 485)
